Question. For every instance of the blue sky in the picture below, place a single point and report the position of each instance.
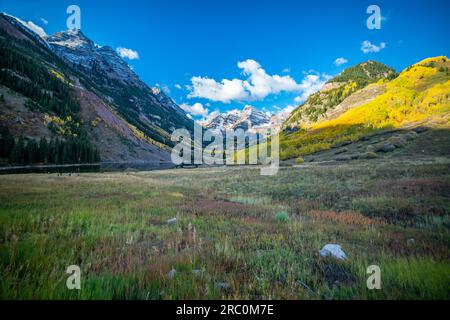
(226, 54)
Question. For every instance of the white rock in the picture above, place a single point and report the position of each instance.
(333, 250)
(171, 221)
(171, 274)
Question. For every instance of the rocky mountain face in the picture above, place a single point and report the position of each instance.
(139, 104)
(249, 118)
(82, 53)
(104, 101)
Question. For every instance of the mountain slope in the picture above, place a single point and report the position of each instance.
(338, 89)
(148, 109)
(99, 100)
(419, 96)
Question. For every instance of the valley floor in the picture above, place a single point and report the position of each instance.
(237, 235)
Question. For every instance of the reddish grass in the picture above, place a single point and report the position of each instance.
(348, 218)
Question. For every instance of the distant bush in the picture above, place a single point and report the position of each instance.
(282, 217)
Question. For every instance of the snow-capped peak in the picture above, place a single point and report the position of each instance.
(247, 119)
(72, 39)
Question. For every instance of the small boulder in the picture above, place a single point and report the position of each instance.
(333, 250)
(172, 221)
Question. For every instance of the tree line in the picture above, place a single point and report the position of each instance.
(21, 151)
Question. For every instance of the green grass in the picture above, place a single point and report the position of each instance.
(258, 234)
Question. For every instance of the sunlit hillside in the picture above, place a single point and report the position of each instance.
(420, 95)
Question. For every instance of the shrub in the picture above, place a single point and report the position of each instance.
(299, 160)
(370, 155)
(282, 217)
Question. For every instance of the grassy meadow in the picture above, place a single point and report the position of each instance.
(238, 235)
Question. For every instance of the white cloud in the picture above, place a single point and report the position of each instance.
(257, 85)
(196, 109)
(340, 61)
(212, 115)
(368, 47)
(178, 87)
(44, 21)
(260, 84)
(128, 53)
(312, 83)
(33, 27)
(224, 91)
(286, 70)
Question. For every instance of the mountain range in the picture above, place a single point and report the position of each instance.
(249, 118)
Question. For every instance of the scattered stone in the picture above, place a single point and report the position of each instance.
(365, 138)
(172, 221)
(172, 273)
(333, 250)
(223, 286)
(411, 241)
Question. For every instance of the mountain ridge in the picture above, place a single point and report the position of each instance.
(122, 116)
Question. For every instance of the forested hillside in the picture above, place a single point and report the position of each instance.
(22, 71)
